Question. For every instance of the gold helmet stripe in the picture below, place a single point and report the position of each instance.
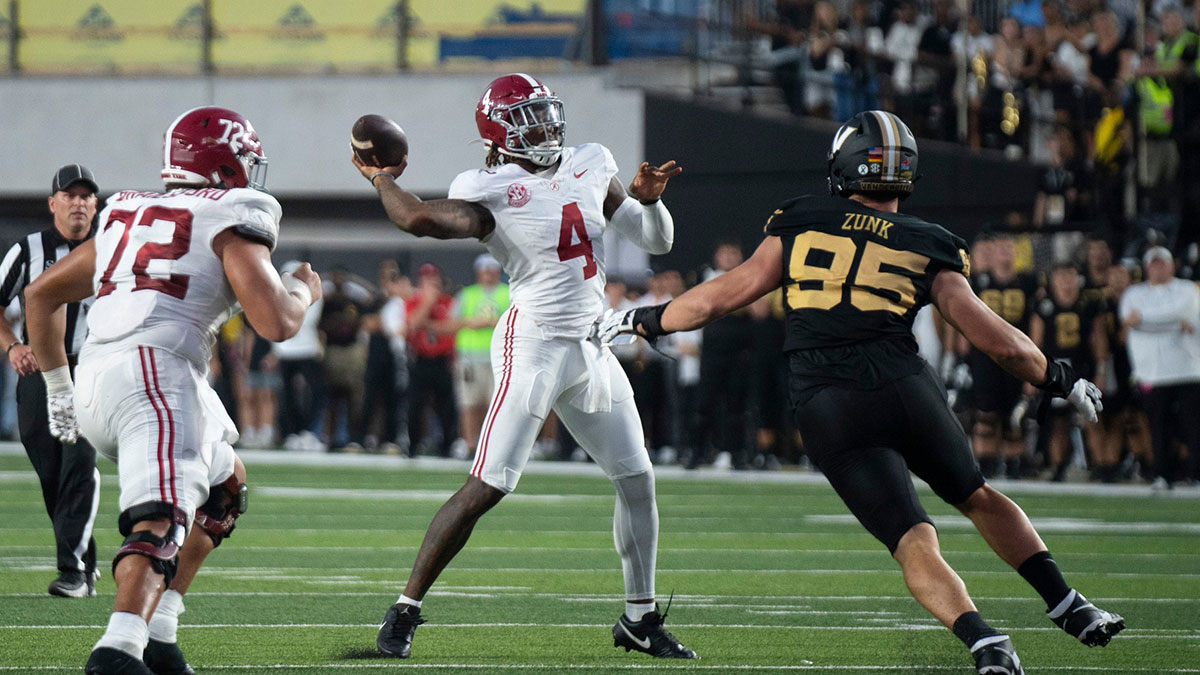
(891, 138)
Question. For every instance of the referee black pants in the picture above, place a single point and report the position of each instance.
(70, 481)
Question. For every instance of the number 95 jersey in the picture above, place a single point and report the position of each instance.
(549, 234)
(854, 279)
(158, 282)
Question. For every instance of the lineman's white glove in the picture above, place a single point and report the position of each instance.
(60, 404)
(1085, 396)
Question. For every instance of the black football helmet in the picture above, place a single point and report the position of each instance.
(873, 152)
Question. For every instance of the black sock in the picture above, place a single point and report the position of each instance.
(1042, 573)
(971, 628)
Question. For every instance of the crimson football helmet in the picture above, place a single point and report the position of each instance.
(521, 117)
(214, 147)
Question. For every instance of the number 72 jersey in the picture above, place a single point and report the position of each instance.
(158, 281)
(548, 234)
(853, 274)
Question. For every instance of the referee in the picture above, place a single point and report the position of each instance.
(70, 481)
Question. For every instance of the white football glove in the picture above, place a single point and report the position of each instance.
(61, 410)
(1086, 396)
(616, 327)
(60, 404)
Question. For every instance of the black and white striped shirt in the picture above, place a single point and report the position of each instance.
(24, 262)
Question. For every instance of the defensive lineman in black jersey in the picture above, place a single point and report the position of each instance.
(854, 273)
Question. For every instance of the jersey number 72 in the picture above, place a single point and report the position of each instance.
(174, 285)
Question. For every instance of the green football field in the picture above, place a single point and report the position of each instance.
(768, 577)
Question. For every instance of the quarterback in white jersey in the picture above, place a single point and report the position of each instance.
(167, 269)
(541, 210)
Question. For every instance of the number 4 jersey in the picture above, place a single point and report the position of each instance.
(853, 281)
(158, 282)
(549, 234)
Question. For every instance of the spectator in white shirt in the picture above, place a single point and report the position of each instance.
(1162, 315)
(303, 395)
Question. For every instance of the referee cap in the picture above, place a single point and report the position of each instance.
(70, 174)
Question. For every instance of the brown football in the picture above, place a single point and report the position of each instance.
(378, 141)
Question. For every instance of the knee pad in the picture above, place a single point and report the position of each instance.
(163, 552)
(225, 503)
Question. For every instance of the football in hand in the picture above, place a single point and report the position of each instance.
(378, 141)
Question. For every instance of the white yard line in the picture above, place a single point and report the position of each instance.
(282, 573)
(1147, 633)
(663, 473)
(692, 600)
(393, 665)
(332, 548)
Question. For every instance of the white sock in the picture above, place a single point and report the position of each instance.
(165, 621)
(126, 631)
(405, 600)
(636, 610)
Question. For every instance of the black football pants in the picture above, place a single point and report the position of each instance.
(867, 441)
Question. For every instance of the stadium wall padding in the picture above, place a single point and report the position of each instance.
(738, 167)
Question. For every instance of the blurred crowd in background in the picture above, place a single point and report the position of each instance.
(1106, 94)
(399, 364)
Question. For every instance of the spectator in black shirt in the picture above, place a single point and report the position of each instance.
(935, 52)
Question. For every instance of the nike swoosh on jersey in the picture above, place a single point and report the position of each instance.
(581, 173)
(644, 643)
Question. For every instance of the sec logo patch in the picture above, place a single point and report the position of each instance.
(518, 195)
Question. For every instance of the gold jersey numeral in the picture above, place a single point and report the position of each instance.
(870, 276)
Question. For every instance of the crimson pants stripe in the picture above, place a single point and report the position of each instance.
(501, 391)
(170, 426)
(162, 490)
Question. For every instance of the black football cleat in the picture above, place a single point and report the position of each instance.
(649, 637)
(996, 655)
(1088, 623)
(73, 585)
(396, 631)
(166, 658)
(109, 661)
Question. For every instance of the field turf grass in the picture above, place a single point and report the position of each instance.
(768, 577)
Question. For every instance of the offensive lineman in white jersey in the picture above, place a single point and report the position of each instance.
(541, 209)
(167, 269)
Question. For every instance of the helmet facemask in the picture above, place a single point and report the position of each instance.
(255, 166)
(534, 129)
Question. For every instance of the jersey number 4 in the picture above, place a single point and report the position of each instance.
(174, 285)
(572, 226)
(829, 267)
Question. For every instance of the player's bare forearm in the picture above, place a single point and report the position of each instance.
(67, 281)
(274, 309)
(1011, 349)
(439, 218)
(731, 291)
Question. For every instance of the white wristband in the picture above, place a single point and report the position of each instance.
(296, 287)
(58, 381)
